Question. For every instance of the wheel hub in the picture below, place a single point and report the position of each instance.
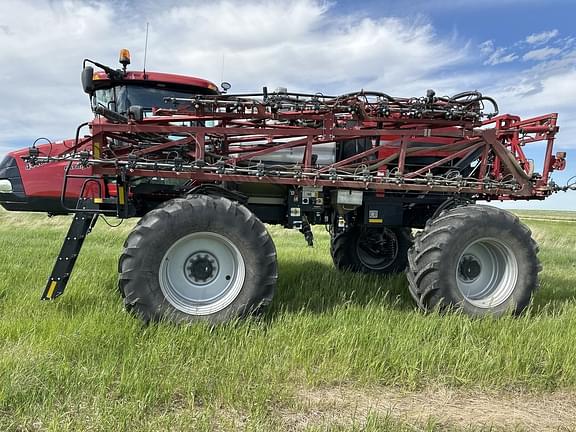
(377, 249)
(487, 272)
(470, 268)
(202, 273)
(201, 268)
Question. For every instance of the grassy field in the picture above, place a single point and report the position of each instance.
(335, 351)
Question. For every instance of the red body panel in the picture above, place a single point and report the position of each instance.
(158, 77)
(46, 181)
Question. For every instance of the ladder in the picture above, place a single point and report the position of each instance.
(82, 223)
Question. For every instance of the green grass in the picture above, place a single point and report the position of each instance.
(82, 363)
(544, 214)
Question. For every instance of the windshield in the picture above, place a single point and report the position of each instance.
(120, 98)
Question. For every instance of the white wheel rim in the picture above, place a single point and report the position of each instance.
(487, 272)
(202, 273)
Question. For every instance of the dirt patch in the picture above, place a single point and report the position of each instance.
(451, 408)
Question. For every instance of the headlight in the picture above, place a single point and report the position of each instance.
(5, 186)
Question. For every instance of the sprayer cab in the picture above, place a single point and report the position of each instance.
(112, 92)
(117, 90)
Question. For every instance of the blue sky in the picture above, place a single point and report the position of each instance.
(505, 20)
(521, 52)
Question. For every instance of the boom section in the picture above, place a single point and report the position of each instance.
(429, 144)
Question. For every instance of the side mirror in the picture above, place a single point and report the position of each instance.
(136, 112)
(225, 86)
(88, 79)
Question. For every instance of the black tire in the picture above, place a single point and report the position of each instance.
(372, 250)
(219, 236)
(478, 259)
(120, 285)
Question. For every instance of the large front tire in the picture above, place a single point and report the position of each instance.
(479, 259)
(198, 259)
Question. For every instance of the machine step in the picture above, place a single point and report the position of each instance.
(81, 225)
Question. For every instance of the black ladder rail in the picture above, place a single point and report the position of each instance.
(82, 223)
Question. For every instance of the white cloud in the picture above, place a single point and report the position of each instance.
(539, 94)
(549, 86)
(41, 49)
(541, 53)
(499, 56)
(486, 47)
(300, 44)
(542, 37)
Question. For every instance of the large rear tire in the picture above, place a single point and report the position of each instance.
(372, 250)
(479, 259)
(198, 259)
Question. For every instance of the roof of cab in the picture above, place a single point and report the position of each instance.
(159, 77)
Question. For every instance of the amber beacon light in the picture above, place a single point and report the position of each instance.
(124, 57)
